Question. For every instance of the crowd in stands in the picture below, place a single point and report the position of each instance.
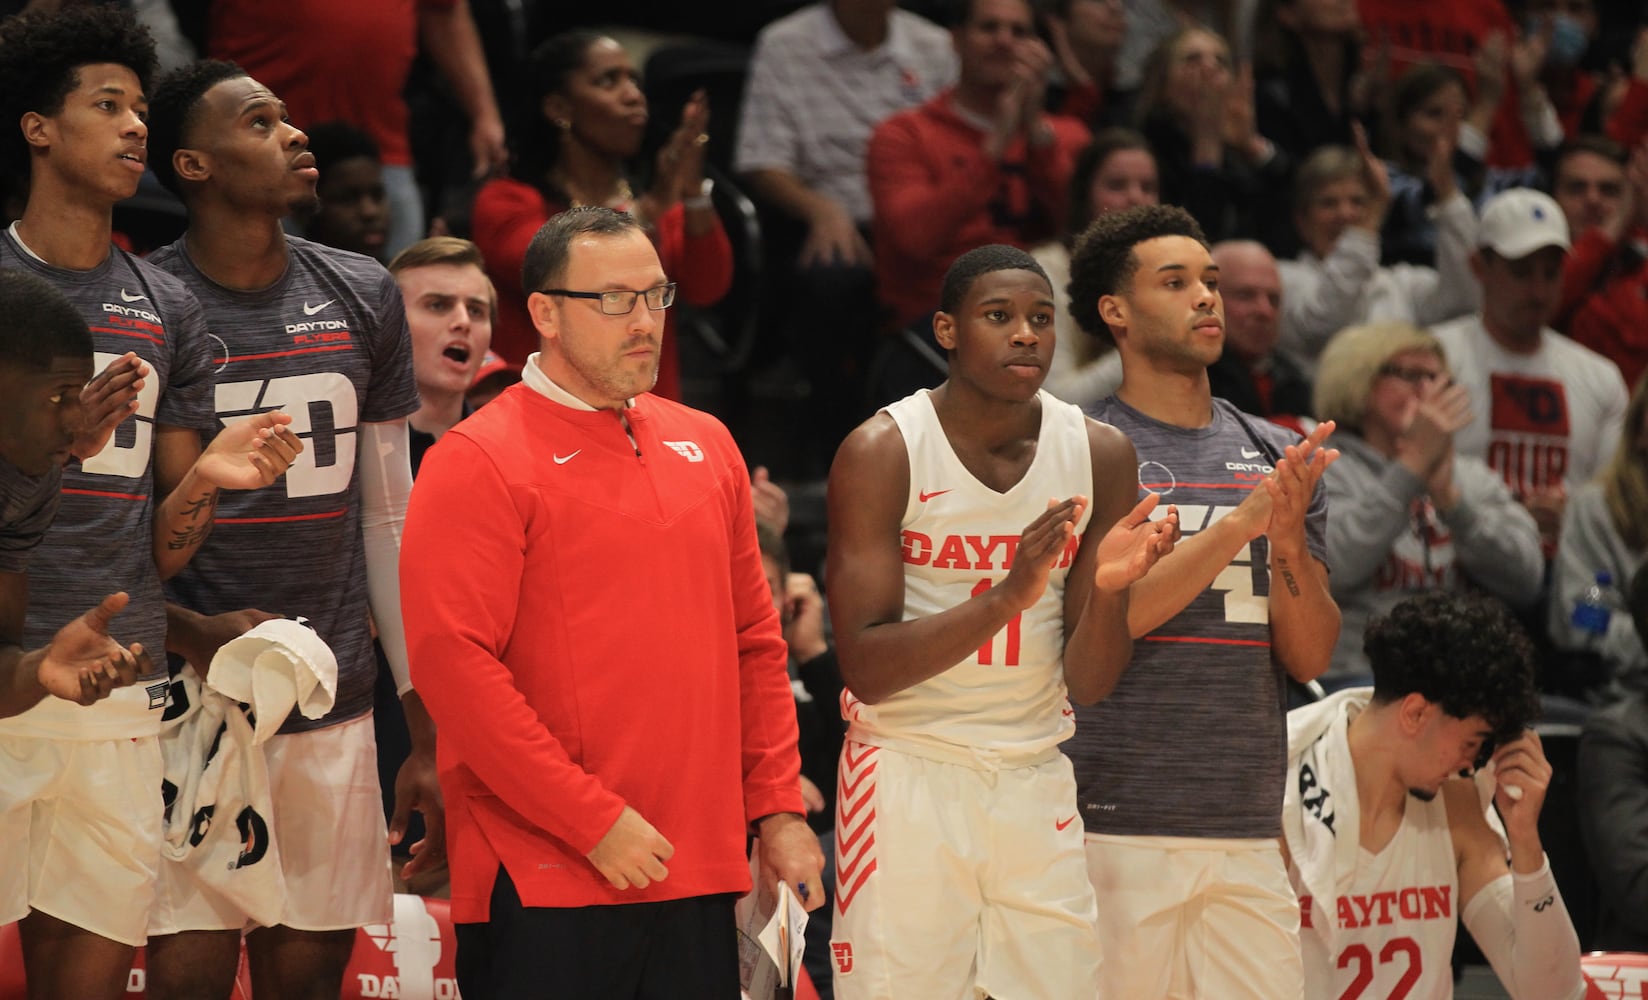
(1428, 220)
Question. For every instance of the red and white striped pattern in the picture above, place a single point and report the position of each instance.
(855, 858)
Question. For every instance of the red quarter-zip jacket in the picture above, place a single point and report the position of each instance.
(589, 625)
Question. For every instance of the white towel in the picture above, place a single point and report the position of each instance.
(1320, 814)
(280, 665)
(216, 779)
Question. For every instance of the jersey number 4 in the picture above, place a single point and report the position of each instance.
(1241, 602)
(986, 653)
(1362, 957)
(324, 415)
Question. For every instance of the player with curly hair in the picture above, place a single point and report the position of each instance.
(48, 59)
(80, 787)
(1182, 834)
(1387, 852)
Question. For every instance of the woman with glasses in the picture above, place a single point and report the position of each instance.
(588, 119)
(1407, 514)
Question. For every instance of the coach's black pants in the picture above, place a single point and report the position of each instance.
(682, 949)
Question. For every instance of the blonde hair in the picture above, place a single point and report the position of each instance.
(434, 250)
(437, 250)
(1625, 479)
(1344, 377)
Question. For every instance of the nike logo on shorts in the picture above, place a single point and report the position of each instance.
(564, 459)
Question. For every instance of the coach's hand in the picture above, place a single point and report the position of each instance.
(789, 852)
(632, 853)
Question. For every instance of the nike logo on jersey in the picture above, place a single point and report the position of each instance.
(564, 459)
(1062, 824)
(1249, 453)
(924, 496)
(309, 310)
(126, 296)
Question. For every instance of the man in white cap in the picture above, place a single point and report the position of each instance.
(1547, 412)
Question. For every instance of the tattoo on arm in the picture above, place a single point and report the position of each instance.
(197, 522)
(1287, 576)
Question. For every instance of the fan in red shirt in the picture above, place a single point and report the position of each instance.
(594, 118)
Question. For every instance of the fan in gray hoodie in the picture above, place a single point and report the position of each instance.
(1407, 513)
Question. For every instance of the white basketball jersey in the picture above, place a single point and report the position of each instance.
(1397, 921)
(959, 536)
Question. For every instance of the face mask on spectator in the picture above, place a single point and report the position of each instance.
(1568, 41)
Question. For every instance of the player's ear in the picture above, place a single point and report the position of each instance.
(1113, 310)
(944, 330)
(1413, 711)
(36, 129)
(189, 165)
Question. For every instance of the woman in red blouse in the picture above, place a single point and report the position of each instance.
(593, 116)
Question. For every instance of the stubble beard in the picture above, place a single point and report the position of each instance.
(611, 380)
(1175, 356)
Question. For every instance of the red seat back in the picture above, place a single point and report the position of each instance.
(1615, 975)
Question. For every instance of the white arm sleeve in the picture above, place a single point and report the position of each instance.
(1523, 928)
(385, 468)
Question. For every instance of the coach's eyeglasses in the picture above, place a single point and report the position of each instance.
(621, 302)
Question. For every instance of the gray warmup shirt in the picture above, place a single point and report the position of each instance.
(1192, 742)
